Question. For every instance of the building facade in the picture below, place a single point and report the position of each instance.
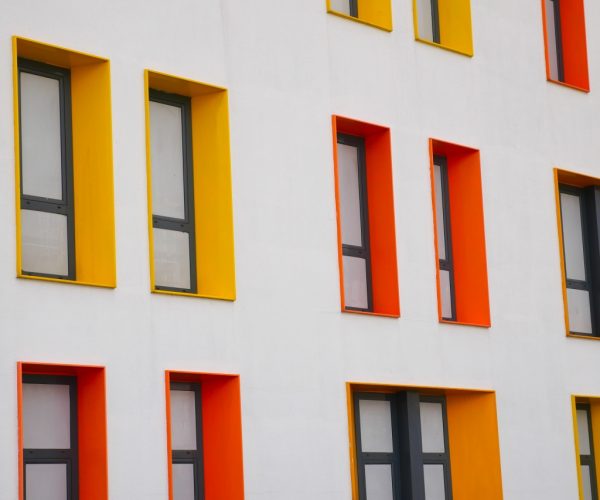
(328, 249)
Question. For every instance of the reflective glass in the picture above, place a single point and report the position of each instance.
(446, 294)
(348, 172)
(583, 431)
(439, 211)
(425, 19)
(183, 481)
(551, 33)
(166, 140)
(183, 420)
(378, 482)
(46, 481)
(434, 482)
(572, 236)
(580, 319)
(586, 480)
(171, 258)
(375, 426)
(342, 6)
(355, 282)
(432, 427)
(41, 154)
(44, 243)
(46, 416)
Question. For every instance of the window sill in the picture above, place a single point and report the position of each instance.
(71, 282)
(578, 336)
(568, 85)
(361, 21)
(445, 47)
(194, 295)
(463, 323)
(369, 313)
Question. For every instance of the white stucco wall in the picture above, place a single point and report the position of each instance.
(289, 66)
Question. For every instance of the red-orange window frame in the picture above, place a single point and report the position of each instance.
(221, 433)
(471, 295)
(91, 424)
(574, 45)
(380, 196)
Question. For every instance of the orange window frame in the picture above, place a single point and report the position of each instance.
(380, 196)
(91, 424)
(221, 433)
(471, 295)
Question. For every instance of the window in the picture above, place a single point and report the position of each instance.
(65, 213)
(190, 209)
(172, 192)
(459, 234)
(50, 437)
(579, 218)
(565, 40)
(415, 443)
(587, 463)
(365, 208)
(444, 24)
(62, 432)
(376, 13)
(204, 436)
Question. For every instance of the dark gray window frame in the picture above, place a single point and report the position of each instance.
(193, 457)
(589, 203)
(559, 44)
(69, 457)
(589, 460)
(407, 458)
(435, 21)
(446, 264)
(187, 224)
(65, 206)
(364, 251)
(354, 8)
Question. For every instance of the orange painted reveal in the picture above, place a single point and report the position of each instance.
(380, 196)
(467, 232)
(91, 408)
(221, 433)
(572, 23)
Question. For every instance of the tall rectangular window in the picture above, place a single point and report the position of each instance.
(554, 40)
(355, 222)
(47, 204)
(348, 7)
(50, 451)
(579, 208)
(186, 441)
(376, 13)
(402, 446)
(172, 192)
(429, 20)
(587, 462)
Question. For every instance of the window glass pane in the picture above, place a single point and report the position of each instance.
(432, 427)
(572, 236)
(349, 194)
(580, 320)
(342, 6)
(551, 33)
(375, 426)
(434, 482)
(183, 420)
(355, 282)
(46, 481)
(583, 430)
(446, 294)
(40, 136)
(378, 482)
(586, 482)
(46, 416)
(439, 212)
(166, 140)
(425, 19)
(171, 258)
(44, 243)
(183, 481)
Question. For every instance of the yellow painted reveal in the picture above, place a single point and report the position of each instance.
(215, 260)
(95, 254)
(376, 13)
(594, 403)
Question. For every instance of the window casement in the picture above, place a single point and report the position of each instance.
(565, 41)
(355, 222)
(186, 441)
(47, 206)
(172, 192)
(50, 451)
(376, 13)
(587, 462)
(348, 7)
(402, 446)
(579, 208)
(444, 237)
(429, 20)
